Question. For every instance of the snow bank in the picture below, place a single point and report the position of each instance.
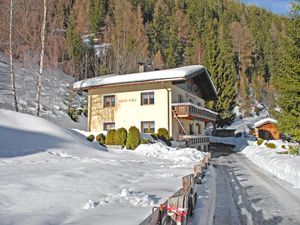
(180, 156)
(286, 167)
(22, 134)
(46, 168)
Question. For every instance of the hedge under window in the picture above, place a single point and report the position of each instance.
(148, 127)
(147, 98)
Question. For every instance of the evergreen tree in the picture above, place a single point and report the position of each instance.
(287, 80)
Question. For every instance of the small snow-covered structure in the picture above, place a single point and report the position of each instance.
(173, 99)
(265, 129)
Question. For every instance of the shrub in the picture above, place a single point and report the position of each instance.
(85, 112)
(111, 137)
(144, 141)
(154, 136)
(100, 138)
(163, 135)
(133, 138)
(283, 146)
(294, 151)
(90, 138)
(79, 111)
(259, 141)
(270, 145)
(72, 114)
(121, 136)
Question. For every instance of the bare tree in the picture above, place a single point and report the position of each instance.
(12, 70)
(39, 84)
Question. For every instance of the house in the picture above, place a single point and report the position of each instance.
(173, 99)
(265, 129)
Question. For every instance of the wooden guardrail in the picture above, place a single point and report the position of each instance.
(179, 207)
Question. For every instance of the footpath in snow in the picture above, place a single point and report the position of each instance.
(51, 175)
(283, 166)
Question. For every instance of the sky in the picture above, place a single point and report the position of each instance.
(277, 6)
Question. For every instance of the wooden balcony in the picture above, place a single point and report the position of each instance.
(191, 111)
(193, 140)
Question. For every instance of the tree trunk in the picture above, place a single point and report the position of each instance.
(12, 70)
(39, 84)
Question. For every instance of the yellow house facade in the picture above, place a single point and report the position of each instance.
(173, 99)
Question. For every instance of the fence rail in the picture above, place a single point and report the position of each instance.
(179, 207)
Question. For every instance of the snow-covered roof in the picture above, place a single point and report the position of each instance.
(177, 74)
(263, 122)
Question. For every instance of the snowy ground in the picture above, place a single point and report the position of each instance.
(55, 95)
(285, 167)
(51, 175)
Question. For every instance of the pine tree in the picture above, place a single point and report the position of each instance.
(287, 80)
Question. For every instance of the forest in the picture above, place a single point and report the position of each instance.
(253, 55)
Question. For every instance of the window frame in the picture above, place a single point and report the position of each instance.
(151, 130)
(112, 103)
(108, 123)
(148, 98)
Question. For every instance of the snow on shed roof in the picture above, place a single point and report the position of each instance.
(177, 74)
(263, 122)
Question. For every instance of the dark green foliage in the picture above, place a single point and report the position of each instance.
(144, 141)
(100, 138)
(270, 145)
(133, 138)
(154, 136)
(287, 79)
(283, 146)
(259, 141)
(73, 114)
(121, 136)
(111, 137)
(91, 138)
(163, 135)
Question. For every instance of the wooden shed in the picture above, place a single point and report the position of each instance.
(266, 129)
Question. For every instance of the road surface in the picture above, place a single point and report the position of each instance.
(248, 195)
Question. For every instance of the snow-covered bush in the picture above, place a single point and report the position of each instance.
(90, 138)
(283, 146)
(100, 138)
(163, 135)
(73, 114)
(111, 137)
(121, 136)
(133, 138)
(270, 145)
(259, 141)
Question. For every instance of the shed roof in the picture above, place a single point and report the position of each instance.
(196, 72)
(263, 122)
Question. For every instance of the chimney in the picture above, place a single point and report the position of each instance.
(141, 67)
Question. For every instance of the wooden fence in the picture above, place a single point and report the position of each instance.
(179, 207)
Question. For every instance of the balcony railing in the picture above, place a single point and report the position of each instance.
(194, 139)
(191, 111)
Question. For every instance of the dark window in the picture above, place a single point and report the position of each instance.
(199, 128)
(108, 126)
(109, 101)
(191, 128)
(148, 127)
(147, 98)
(180, 98)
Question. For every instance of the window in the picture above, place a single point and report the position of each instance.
(108, 126)
(199, 128)
(191, 128)
(147, 127)
(109, 101)
(147, 98)
(180, 98)
(199, 104)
